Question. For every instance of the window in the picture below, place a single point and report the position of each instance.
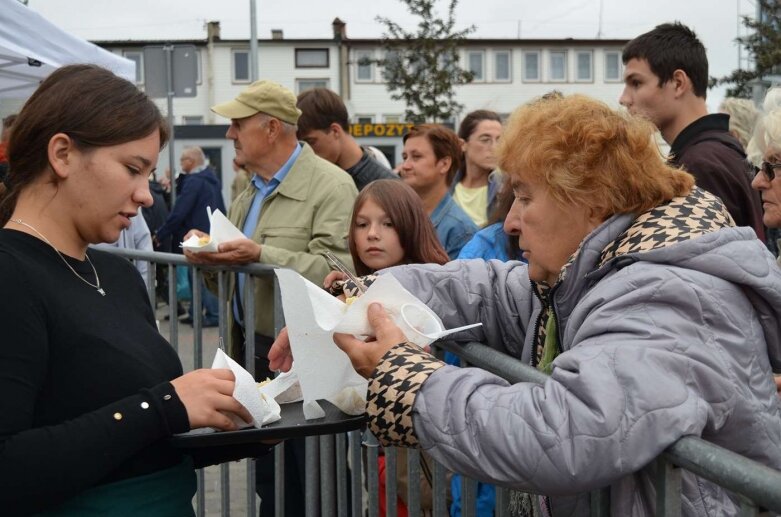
(311, 58)
(138, 58)
(445, 60)
(584, 70)
(240, 66)
(531, 66)
(192, 120)
(392, 119)
(364, 119)
(502, 70)
(303, 85)
(392, 57)
(558, 66)
(475, 63)
(364, 68)
(613, 66)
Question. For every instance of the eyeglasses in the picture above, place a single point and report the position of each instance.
(769, 169)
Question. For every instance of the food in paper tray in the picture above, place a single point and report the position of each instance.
(350, 300)
(203, 241)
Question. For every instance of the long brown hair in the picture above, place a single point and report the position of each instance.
(88, 103)
(417, 236)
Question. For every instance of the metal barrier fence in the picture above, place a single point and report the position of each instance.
(354, 489)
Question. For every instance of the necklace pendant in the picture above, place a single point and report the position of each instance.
(101, 291)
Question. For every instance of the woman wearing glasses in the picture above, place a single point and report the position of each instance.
(768, 140)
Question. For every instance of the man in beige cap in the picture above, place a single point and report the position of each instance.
(299, 209)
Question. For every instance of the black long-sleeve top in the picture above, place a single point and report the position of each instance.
(85, 396)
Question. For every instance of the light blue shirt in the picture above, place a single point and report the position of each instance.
(263, 190)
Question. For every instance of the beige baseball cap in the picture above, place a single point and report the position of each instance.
(262, 97)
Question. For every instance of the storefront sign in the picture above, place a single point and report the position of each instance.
(380, 130)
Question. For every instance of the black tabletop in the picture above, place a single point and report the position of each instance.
(291, 425)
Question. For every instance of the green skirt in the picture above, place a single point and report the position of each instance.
(167, 493)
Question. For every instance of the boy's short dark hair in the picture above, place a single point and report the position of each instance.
(670, 47)
(320, 107)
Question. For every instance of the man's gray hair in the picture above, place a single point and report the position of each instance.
(287, 127)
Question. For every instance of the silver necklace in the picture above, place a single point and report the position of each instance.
(42, 236)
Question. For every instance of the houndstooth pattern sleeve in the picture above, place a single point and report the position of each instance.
(392, 390)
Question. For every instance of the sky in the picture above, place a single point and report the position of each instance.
(715, 21)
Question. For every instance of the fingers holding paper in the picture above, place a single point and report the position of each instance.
(280, 356)
(207, 396)
(238, 251)
(365, 355)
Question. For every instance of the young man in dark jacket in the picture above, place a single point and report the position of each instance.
(666, 78)
(324, 126)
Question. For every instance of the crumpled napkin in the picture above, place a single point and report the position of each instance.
(312, 316)
(263, 408)
(220, 230)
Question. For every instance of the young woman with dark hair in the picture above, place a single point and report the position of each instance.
(476, 184)
(90, 392)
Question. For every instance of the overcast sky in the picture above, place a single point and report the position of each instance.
(715, 21)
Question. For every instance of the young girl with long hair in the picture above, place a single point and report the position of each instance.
(388, 228)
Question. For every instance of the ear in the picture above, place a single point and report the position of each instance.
(596, 216)
(463, 144)
(444, 165)
(336, 130)
(61, 152)
(681, 83)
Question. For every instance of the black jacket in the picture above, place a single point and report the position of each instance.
(707, 150)
(195, 191)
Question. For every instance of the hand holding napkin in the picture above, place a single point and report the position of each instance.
(220, 230)
(312, 316)
(264, 409)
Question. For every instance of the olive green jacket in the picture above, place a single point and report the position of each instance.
(306, 215)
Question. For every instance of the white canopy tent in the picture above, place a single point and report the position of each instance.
(31, 48)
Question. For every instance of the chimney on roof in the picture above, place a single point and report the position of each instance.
(277, 34)
(212, 31)
(340, 29)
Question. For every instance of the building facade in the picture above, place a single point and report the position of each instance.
(507, 73)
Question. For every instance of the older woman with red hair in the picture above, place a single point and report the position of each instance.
(655, 317)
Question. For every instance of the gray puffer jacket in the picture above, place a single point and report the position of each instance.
(669, 326)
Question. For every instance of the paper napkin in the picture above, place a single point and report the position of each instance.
(220, 230)
(312, 316)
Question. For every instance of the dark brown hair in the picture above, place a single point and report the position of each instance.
(444, 142)
(470, 122)
(320, 107)
(416, 233)
(670, 47)
(94, 107)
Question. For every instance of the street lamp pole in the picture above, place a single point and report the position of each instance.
(253, 42)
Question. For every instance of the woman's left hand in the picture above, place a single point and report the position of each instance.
(365, 355)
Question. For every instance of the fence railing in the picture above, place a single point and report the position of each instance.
(342, 476)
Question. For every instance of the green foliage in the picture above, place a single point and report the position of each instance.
(764, 45)
(421, 67)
